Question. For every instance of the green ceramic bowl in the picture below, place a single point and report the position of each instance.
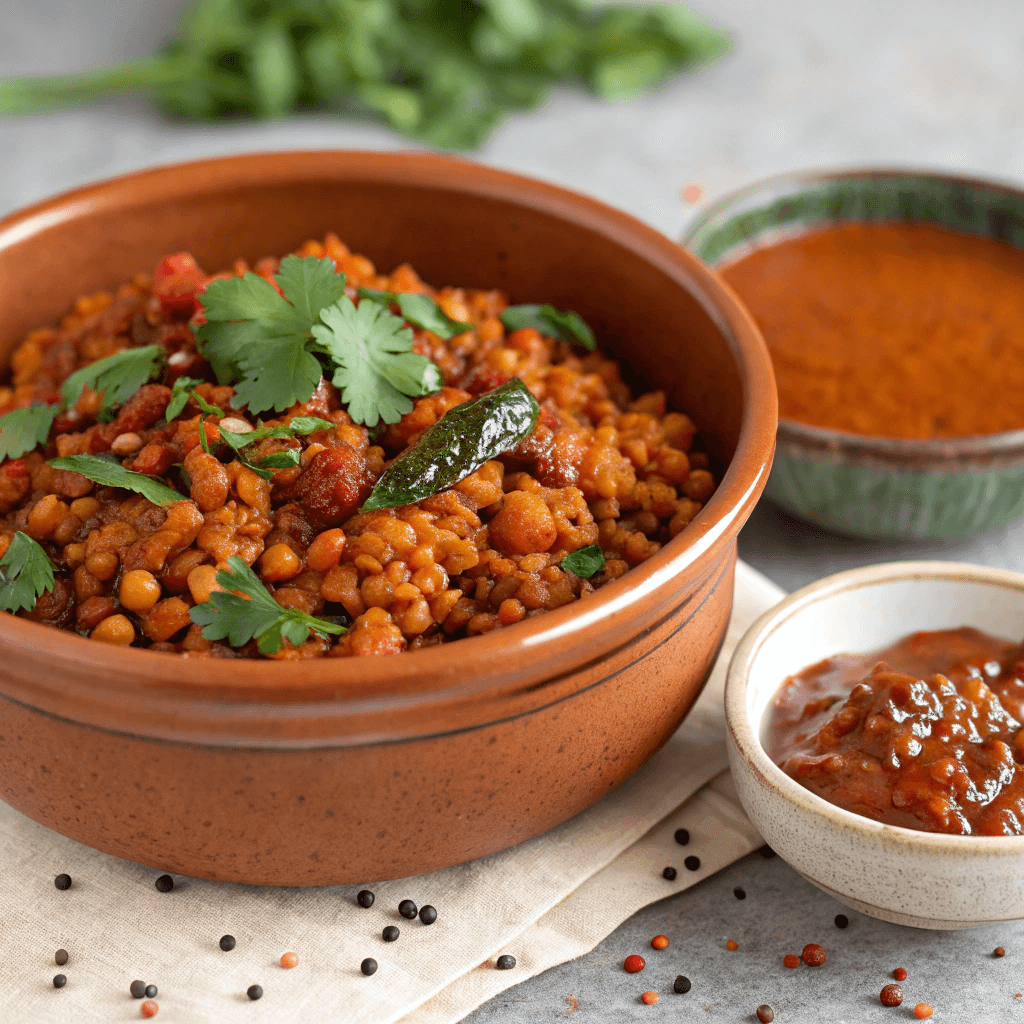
(878, 487)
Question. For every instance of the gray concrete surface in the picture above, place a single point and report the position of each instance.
(933, 83)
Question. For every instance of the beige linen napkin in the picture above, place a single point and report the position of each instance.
(552, 898)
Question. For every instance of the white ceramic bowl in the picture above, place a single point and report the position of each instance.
(923, 879)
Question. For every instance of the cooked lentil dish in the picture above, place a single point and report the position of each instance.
(873, 327)
(599, 468)
(926, 734)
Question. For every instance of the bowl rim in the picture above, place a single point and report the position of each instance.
(332, 680)
(910, 453)
(746, 738)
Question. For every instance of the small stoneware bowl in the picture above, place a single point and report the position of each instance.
(922, 879)
(878, 487)
(348, 770)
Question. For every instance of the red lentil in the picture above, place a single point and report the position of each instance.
(891, 995)
(791, 960)
(999, 951)
(813, 955)
(650, 998)
(923, 1011)
(659, 942)
(900, 974)
(150, 1008)
(732, 944)
(633, 964)
(289, 960)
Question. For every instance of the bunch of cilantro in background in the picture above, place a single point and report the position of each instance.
(444, 72)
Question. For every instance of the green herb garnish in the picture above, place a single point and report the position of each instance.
(110, 473)
(556, 323)
(458, 444)
(180, 396)
(419, 310)
(26, 573)
(23, 429)
(238, 619)
(442, 72)
(285, 459)
(115, 377)
(584, 562)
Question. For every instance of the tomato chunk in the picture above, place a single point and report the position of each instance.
(177, 281)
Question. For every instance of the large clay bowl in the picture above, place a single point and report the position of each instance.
(344, 771)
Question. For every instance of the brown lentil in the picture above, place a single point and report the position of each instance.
(999, 951)
(765, 1014)
(791, 960)
(60, 958)
(900, 974)
(891, 995)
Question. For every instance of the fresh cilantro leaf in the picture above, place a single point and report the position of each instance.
(567, 325)
(111, 473)
(419, 310)
(26, 573)
(285, 459)
(310, 285)
(116, 377)
(180, 396)
(21, 430)
(584, 562)
(226, 615)
(377, 370)
(281, 373)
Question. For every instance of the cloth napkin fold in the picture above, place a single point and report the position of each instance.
(546, 900)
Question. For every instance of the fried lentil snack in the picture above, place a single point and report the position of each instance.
(598, 468)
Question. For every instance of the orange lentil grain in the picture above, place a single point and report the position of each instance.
(659, 942)
(732, 944)
(289, 959)
(150, 1008)
(650, 998)
(923, 1011)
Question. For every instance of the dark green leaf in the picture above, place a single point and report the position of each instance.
(284, 459)
(458, 444)
(180, 396)
(21, 430)
(110, 473)
(584, 561)
(116, 377)
(26, 573)
(567, 325)
(419, 310)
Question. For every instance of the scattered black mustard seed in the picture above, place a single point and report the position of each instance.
(692, 863)
(365, 898)
(682, 836)
(767, 852)
(390, 934)
(681, 984)
(505, 962)
(59, 981)
(842, 921)
(740, 894)
(428, 915)
(368, 966)
(151, 992)
(62, 882)
(164, 883)
(408, 909)
(137, 989)
(669, 874)
(227, 943)
(60, 958)
(254, 992)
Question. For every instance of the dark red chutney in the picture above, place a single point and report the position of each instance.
(926, 734)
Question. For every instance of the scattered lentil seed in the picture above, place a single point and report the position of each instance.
(164, 883)
(659, 942)
(390, 934)
(681, 984)
(650, 998)
(505, 962)
(289, 960)
(732, 945)
(62, 881)
(813, 955)
(999, 951)
(428, 915)
(149, 1008)
(842, 921)
(254, 992)
(137, 989)
(923, 1011)
(682, 836)
(765, 1014)
(739, 893)
(692, 863)
(633, 964)
(408, 909)
(891, 995)
(368, 966)
(59, 981)
(151, 991)
(227, 943)
(791, 960)
(900, 974)
(767, 852)
(365, 898)
(60, 958)
(669, 874)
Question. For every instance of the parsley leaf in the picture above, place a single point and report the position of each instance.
(584, 562)
(116, 377)
(419, 310)
(22, 429)
(377, 370)
(111, 473)
(226, 615)
(180, 396)
(262, 338)
(25, 574)
(566, 325)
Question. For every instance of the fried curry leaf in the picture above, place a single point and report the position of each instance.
(563, 324)
(458, 444)
(110, 473)
(26, 573)
(419, 310)
(584, 562)
(226, 615)
(115, 377)
(21, 430)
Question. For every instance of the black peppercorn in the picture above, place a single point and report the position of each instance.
(505, 962)
(692, 863)
(669, 874)
(227, 943)
(842, 921)
(254, 992)
(739, 893)
(62, 882)
(428, 915)
(390, 933)
(767, 852)
(368, 966)
(682, 836)
(364, 898)
(164, 883)
(59, 981)
(137, 989)
(150, 992)
(408, 909)
(60, 958)
(681, 984)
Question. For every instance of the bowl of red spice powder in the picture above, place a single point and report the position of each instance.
(889, 301)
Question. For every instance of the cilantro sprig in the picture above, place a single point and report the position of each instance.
(180, 394)
(563, 324)
(26, 573)
(23, 429)
(107, 471)
(419, 310)
(584, 562)
(238, 619)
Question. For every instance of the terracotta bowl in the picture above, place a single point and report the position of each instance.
(345, 771)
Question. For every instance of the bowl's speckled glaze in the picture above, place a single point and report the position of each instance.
(350, 770)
